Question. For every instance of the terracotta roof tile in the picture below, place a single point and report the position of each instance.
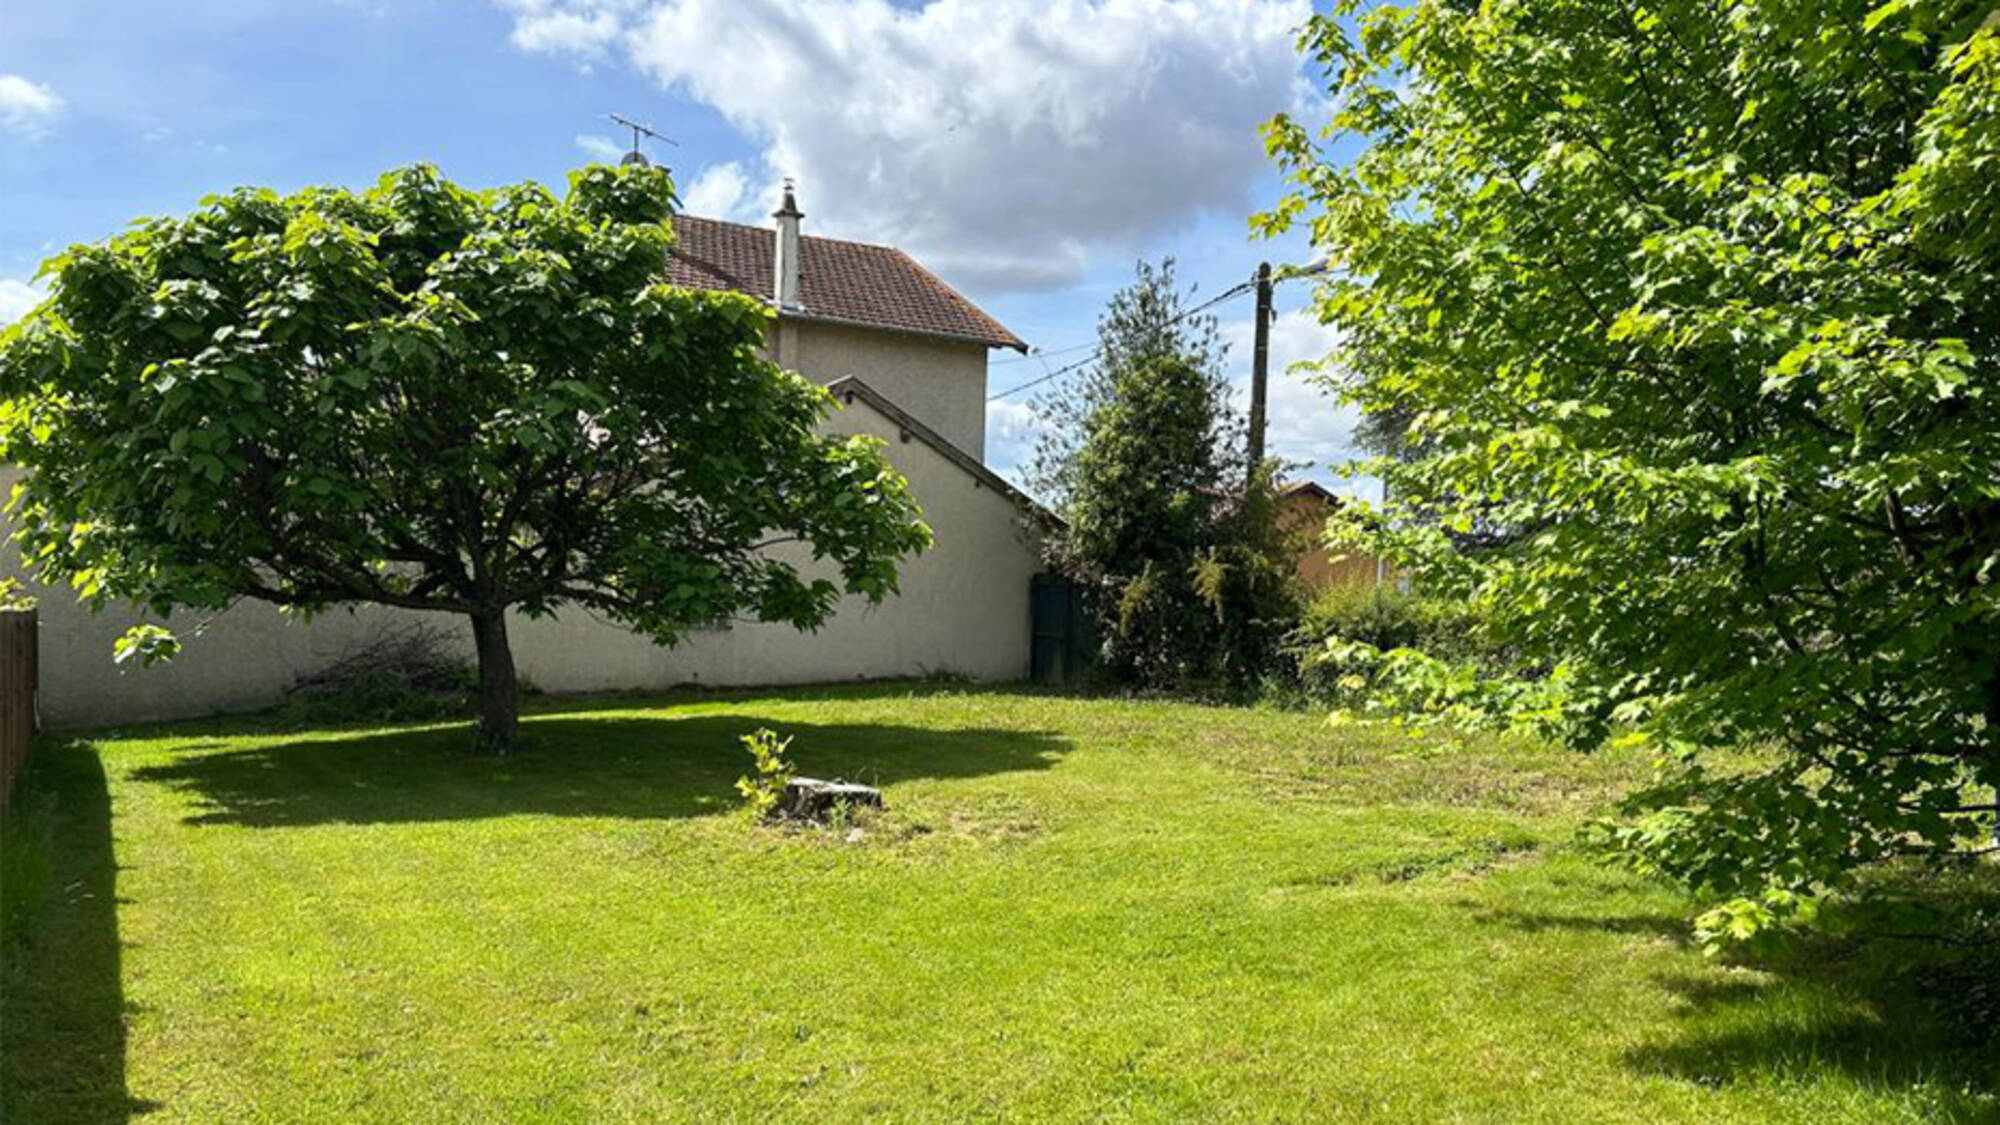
(878, 286)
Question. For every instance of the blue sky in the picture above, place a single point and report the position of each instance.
(1028, 153)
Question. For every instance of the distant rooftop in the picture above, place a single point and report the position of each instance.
(846, 282)
(1307, 488)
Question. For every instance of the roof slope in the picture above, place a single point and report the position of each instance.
(1307, 488)
(847, 388)
(852, 282)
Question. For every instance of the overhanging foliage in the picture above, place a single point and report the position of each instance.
(1701, 303)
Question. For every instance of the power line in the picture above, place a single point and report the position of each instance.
(1039, 354)
(1043, 354)
(1056, 374)
(1233, 291)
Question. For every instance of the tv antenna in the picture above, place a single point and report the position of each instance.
(639, 129)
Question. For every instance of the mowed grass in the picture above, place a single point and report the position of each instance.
(1074, 910)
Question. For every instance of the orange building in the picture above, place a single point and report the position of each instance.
(1304, 507)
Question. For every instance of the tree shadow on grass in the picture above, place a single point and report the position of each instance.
(1658, 924)
(1879, 1013)
(629, 767)
(1873, 1011)
(62, 1003)
(281, 720)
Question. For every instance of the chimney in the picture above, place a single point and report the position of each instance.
(785, 275)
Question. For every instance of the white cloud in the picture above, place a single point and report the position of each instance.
(1305, 422)
(719, 192)
(27, 107)
(600, 148)
(583, 30)
(17, 297)
(1003, 142)
(1011, 429)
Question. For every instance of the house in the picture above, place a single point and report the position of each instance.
(853, 309)
(905, 356)
(1304, 507)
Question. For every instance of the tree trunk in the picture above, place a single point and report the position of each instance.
(499, 696)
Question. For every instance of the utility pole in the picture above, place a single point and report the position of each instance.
(1260, 369)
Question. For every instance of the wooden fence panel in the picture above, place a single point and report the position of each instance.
(19, 632)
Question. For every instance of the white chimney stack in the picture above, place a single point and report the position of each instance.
(785, 275)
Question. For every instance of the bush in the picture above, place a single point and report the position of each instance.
(1446, 628)
(1377, 653)
(764, 789)
(1383, 618)
(407, 674)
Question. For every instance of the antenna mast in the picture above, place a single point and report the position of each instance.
(639, 129)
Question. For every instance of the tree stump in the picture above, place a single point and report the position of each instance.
(809, 798)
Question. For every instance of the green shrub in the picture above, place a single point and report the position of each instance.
(1385, 618)
(413, 673)
(1444, 628)
(378, 695)
(1369, 652)
(763, 789)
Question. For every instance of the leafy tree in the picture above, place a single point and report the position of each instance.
(1189, 569)
(1704, 299)
(1140, 513)
(1145, 320)
(1384, 433)
(1247, 580)
(435, 399)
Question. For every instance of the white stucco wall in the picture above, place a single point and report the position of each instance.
(941, 381)
(963, 609)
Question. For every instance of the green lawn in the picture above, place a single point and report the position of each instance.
(1075, 910)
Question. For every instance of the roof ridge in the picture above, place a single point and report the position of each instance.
(808, 237)
(865, 283)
